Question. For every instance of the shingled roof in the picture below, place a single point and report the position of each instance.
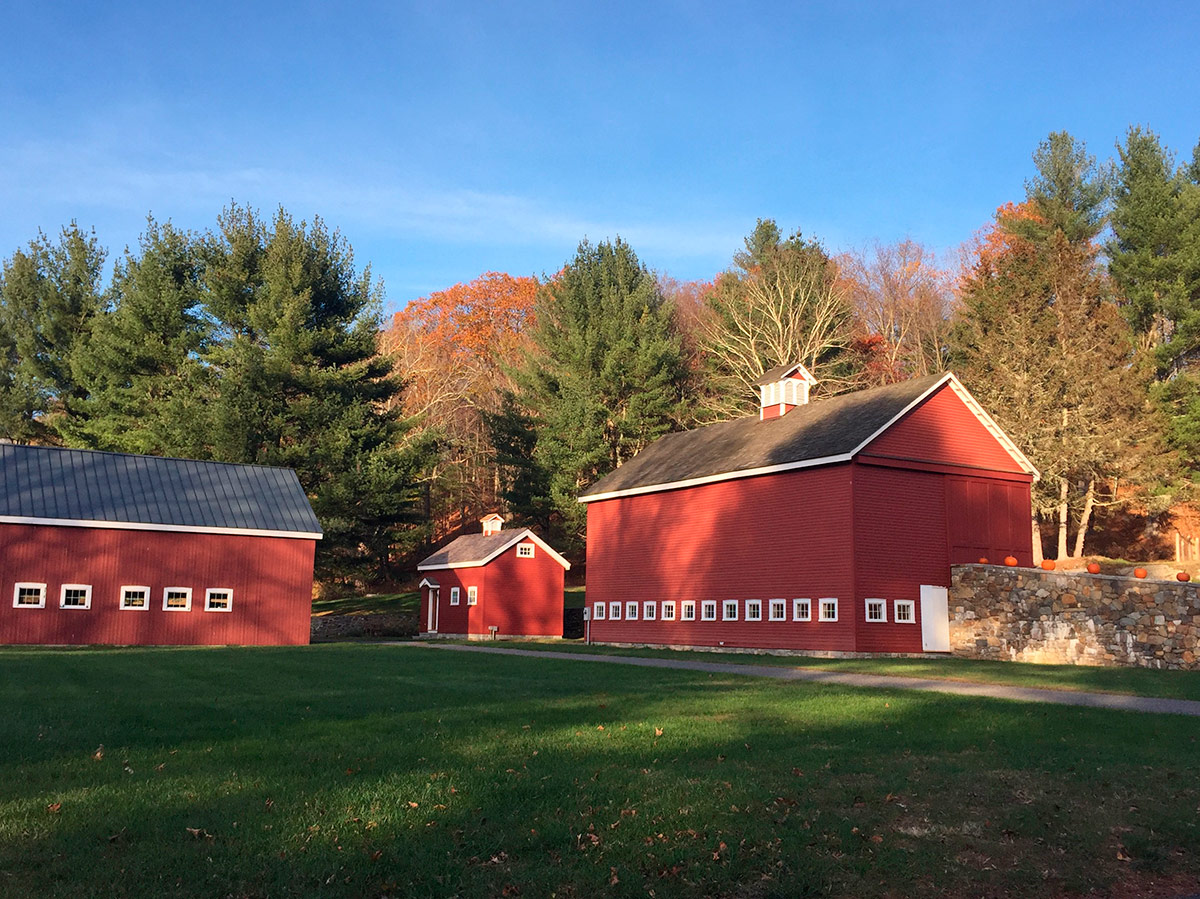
(48, 485)
(828, 430)
(475, 550)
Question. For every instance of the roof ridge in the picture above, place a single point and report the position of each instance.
(99, 452)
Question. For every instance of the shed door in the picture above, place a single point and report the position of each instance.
(935, 619)
(433, 610)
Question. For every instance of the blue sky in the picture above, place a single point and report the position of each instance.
(446, 140)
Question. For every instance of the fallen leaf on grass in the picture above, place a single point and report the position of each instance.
(98, 755)
(658, 731)
(613, 880)
(199, 833)
(412, 804)
(54, 808)
(376, 855)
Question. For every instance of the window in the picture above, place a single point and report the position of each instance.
(778, 610)
(801, 610)
(669, 611)
(29, 596)
(648, 610)
(614, 611)
(829, 609)
(472, 596)
(876, 610)
(525, 551)
(218, 599)
(631, 611)
(455, 595)
(708, 610)
(598, 611)
(905, 611)
(688, 610)
(135, 598)
(754, 610)
(729, 610)
(177, 599)
(75, 596)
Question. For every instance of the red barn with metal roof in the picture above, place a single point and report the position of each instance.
(824, 526)
(495, 584)
(114, 548)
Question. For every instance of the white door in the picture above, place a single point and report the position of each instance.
(935, 619)
(433, 609)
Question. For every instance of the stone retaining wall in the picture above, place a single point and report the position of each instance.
(1030, 615)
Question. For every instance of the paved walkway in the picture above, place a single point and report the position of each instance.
(1114, 701)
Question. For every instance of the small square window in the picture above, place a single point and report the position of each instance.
(649, 610)
(29, 596)
(614, 611)
(525, 551)
(455, 596)
(631, 611)
(905, 611)
(828, 607)
(778, 609)
(801, 610)
(688, 610)
(669, 611)
(729, 610)
(75, 596)
(177, 599)
(472, 596)
(876, 610)
(708, 610)
(598, 611)
(136, 598)
(218, 599)
(754, 610)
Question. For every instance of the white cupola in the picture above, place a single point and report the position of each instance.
(491, 524)
(782, 389)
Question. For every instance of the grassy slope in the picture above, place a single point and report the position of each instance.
(365, 770)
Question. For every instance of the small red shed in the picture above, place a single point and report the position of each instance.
(113, 548)
(495, 584)
(826, 526)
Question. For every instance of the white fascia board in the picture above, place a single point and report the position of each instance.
(143, 526)
(518, 536)
(428, 582)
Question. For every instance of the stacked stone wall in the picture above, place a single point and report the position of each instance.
(1030, 615)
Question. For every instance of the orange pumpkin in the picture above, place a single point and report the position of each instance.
(1048, 564)
(1183, 576)
(1093, 567)
(983, 560)
(1010, 561)
(1140, 572)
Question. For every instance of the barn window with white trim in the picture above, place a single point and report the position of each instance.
(135, 598)
(668, 611)
(631, 611)
(708, 610)
(801, 610)
(754, 610)
(177, 599)
(828, 606)
(778, 610)
(472, 596)
(614, 611)
(525, 551)
(876, 610)
(598, 611)
(729, 610)
(218, 599)
(648, 610)
(687, 610)
(905, 611)
(29, 596)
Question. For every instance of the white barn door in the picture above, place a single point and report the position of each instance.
(935, 619)
(434, 594)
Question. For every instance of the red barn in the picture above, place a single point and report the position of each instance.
(113, 548)
(828, 526)
(495, 584)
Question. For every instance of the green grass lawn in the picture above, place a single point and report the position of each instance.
(369, 604)
(1132, 681)
(368, 770)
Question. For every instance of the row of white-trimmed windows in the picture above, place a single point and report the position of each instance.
(28, 595)
(751, 609)
(472, 596)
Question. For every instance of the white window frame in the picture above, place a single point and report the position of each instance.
(909, 604)
(649, 611)
(726, 606)
(614, 611)
(28, 585)
(472, 596)
(708, 610)
(187, 591)
(598, 611)
(687, 610)
(134, 588)
(754, 604)
(821, 616)
(524, 550)
(208, 599)
(455, 596)
(631, 610)
(668, 611)
(774, 604)
(87, 596)
(880, 604)
(802, 603)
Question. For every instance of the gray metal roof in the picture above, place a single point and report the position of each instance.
(39, 482)
(818, 430)
(470, 548)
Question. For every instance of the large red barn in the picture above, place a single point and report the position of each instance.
(825, 526)
(113, 548)
(494, 584)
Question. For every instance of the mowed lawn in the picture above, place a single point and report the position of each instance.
(369, 770)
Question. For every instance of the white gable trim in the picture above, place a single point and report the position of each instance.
(949, 378)
(429, 582)
(517, 537)
(144, 526)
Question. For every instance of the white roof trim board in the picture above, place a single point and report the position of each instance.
(429, 582)
(949, 378)
(170, 528)
(517, 537)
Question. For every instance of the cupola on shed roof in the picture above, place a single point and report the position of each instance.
(782, 389)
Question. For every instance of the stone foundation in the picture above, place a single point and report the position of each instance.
(1030, 615)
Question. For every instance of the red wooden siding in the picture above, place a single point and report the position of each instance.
(988, 519)
(271, 580)
(773, 537)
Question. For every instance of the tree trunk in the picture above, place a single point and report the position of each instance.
(1085, 517)
(1062, 518)
(1037, 541)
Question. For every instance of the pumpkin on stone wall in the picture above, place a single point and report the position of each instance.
(1010, 561)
